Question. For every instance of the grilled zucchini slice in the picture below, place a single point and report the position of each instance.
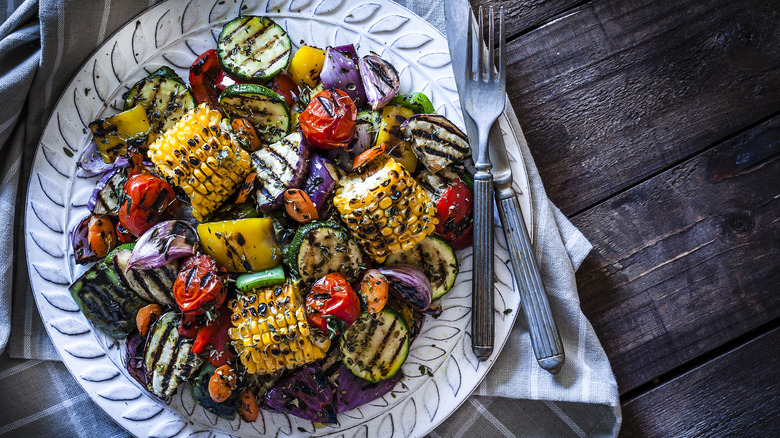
(164, 96)
(435, 258)
(376, 346)
(153, 285)
(168, 357)
(319, 249)
(266, 110)
(253, 48)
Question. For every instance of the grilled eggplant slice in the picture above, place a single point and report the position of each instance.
(435, 258)
(153, 285)
(164, 96)
(436, 141)
(279, 166)
(266, 110)
(319, 249)
(375, 347)
(253, 48)
(104, 301)
(168, 357)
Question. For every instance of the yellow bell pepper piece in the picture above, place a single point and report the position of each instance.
(390, 133)
(112, 134)
(243, 245)
(306, 65)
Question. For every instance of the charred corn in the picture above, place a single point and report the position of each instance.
(270, 330)
(384, 208)
(201, 158)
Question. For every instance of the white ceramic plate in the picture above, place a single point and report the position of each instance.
(441, 370)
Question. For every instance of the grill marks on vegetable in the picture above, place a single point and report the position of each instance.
(153, 285)
(277, 166)
(436, 141)
(164, 96)
(376, 345)
(253, 48)
(169, 359)
(263, 108)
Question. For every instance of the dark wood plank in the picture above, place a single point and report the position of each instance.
(521, 15)
(616, 91)
(687, 260)
(735, 395)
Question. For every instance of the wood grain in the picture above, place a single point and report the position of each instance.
(525, 14)
(686, 260)
(735, 395)
(614, 92)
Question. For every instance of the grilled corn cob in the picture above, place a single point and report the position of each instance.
(385, 208)
(270, 330)
(201, 158)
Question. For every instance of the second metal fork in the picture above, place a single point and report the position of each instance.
(485, 91)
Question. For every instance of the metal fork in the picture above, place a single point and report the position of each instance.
(485, 91)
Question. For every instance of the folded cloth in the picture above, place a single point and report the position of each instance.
(42, 44)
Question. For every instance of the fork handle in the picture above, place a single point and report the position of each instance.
(545, 339)
(482, 319)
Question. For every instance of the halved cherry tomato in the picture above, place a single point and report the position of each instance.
(285, 87)
(246, 189)
(331, 305)
(246, 133)
(215, 334)
(146, 316)
(204, 73)
(373, 291)
(454, 209)
(223, 382)
(101, 235)
(299, 206)
(148, 198)
(368, 155)
(200, 283)
(328, 122)
(247, 407)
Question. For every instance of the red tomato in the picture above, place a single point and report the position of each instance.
(215, 334)
(123, 234)
(204, 74)
(454, 209)
(199, 283)
(328, 122)
(332, 303)
(148, 198)
(285, 87)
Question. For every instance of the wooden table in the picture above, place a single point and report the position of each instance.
(656, 128)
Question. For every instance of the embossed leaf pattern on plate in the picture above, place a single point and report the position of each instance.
(441, 370)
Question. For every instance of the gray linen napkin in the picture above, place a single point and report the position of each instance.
(42, 44)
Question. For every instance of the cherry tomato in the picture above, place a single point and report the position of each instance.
(246, 134)
(454, 209)
(368, 155)
(285, 87)
(101, 235)
(299, 206)
(204, 73)
(222, 383)
(146, 316)
(373, 291)
(331, 305)
(148, 198)
(215, 334)
(199, 283)
(328, 122)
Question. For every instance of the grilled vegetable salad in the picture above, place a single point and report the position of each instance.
(273, 232)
